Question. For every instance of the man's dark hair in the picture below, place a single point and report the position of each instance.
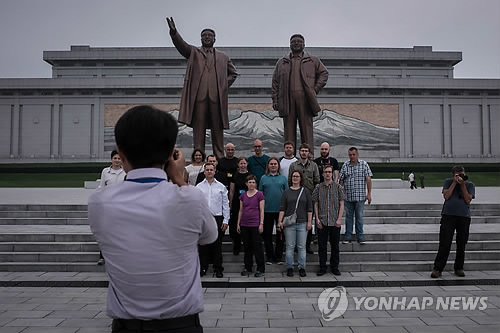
(207, 29)
(297, 35)
(304, 146)
(203, 156)
(353, 149)
(457, 168)
(211, 155)
(113, 153)
(288, 143)
(146, 136)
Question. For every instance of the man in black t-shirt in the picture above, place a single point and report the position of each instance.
(325, 160)
(228, 164)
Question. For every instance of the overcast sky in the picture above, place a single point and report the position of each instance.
(28, 27)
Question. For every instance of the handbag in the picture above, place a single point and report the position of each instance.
(292, 219)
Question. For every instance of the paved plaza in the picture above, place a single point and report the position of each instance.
(69, 310)
(76, 301)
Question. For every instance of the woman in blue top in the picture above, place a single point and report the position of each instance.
(273, 184)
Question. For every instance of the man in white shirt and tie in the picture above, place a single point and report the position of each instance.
(216, 194)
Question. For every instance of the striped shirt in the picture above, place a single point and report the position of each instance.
(354, 178)
(328, 198)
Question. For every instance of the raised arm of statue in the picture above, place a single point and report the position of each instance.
(179, 43)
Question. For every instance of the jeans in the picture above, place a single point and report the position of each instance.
(273, 253)
(296, 235)
(252, 243)
(354, 209)
(448, 226)
(325, 233)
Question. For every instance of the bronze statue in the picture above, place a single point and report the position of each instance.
(204, 100)
(297, 79)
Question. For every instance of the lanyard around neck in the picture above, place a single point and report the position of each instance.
(146, 180)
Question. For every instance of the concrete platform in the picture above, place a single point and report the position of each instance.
(79, 196)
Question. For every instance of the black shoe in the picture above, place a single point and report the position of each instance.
(346, 241)
(246, 272)
(289, 272)
(219, 275)
(259, 274)
(459, 272)
(203, 272)
(236, 252)
(321, 272)
(336, 271)
(362, 242)
(302, 272)
(100, 262)
(309, 251)
(435, 274)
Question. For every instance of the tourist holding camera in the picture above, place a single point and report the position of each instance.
(458, 193)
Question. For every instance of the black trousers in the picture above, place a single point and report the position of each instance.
(448, 226)
(273, 254)
(325, 234)
(212, 253)
(185, 324)
(252, 243)
(233, 233)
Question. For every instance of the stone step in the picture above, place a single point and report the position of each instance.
(377, 266)
(387, 246)
(377, 207)
(382, 235)
(367, 220)
(43, 214)
(43, 221)
(44, 207)
(408, 256)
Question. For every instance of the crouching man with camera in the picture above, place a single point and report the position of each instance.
(458, 192)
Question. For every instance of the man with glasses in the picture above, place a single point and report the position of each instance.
(355, 176)
(257, 162)
(328, 200)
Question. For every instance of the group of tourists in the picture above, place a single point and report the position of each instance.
(151, 227)
(269, 205)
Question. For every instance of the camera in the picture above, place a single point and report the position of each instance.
(464, 177)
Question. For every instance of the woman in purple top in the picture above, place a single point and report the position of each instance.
(251, 225)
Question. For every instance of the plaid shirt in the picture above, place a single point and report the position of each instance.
(354, 178)
(328, 198)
